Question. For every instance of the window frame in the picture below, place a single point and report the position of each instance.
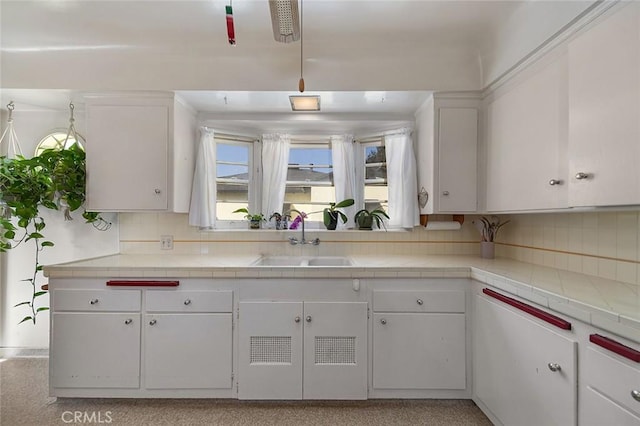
(253, 182)
(363, 164)
(317, 221)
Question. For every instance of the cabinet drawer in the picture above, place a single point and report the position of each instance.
(613, 378)
(96, 300)
(418, 301)
(189, 301)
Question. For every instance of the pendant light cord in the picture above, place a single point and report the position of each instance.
(301, 82)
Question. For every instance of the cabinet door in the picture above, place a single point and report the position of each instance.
(527, 128)
(188, 351)
(457, 159)
(599, 410)
(335, 350)
(419, 351)
(512, 377)
(95, 350)
(604, 106)
(270, 346)
(127, 157)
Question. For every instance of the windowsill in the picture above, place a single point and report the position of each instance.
(307, 230)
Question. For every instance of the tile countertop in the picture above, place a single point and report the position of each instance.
(611, 305)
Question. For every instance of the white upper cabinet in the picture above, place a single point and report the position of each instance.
(447, 140)
(604, 109)
(139, 153)
(527, 140)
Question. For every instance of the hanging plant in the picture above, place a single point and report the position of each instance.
(55, 179)
(52, 180)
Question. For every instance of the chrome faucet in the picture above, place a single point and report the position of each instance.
(293, 241)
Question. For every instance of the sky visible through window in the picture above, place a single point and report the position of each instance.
(240, 154)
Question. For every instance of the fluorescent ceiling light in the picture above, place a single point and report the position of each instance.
(305, 103)
(285, 20)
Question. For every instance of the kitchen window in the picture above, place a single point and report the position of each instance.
(376, 191)
(309, 186)
(233, 178)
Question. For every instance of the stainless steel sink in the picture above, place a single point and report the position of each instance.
(330, 261)
(303, 261)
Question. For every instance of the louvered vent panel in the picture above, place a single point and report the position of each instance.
(335, 350)
(270, 350)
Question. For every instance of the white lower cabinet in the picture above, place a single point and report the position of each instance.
(419, 340)
(611, 389)
(302, 350)
(525, 373)
(109, 340)
(188, 339)
(95, 350)
(187, 351)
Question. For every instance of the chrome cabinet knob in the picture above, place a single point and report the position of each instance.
(128, 321)
(383, 321)
(187, 302)
(635, 394)
(582, 175)
(445, 193)
(297, 319)
(308, 318)
(554, 367)
(157, 191)
(93, 301)
(419, 302)
(554, 182)
(152, 322)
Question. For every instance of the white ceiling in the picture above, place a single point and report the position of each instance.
(362, 56)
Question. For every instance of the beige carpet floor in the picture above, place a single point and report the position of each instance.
(24, 400)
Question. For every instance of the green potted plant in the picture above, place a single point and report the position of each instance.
(255, 219)
(365, 218)
(54, 179)
(331, 213)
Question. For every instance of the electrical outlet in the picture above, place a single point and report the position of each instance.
(166, 242)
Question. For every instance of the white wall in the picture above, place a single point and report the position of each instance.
(74, 240)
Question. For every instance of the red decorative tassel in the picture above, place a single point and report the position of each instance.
(231, 33)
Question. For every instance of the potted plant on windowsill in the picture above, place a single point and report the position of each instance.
(255, 219)
(365, 218)
(331, 213)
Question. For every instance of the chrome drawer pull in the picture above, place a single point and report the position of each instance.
(582, 175)
(128, 321)
(554, 367)
(187, 302)
(308, 318)
(383, 321)
(635, 394)
(93, 301)
(152, 322)
(419, 302)
(297, 319)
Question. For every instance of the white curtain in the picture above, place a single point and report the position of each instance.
(275, 161)
(344, 175)
(402, 180)
(202, 211)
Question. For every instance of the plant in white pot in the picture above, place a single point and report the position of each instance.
(255, 219)
(488, 228)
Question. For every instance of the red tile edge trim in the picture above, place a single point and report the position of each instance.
(538, 313)
(616, 347)
(142, 283)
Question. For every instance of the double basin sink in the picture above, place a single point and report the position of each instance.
(303, 261)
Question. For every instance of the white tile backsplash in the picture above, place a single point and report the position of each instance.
(603, 244)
